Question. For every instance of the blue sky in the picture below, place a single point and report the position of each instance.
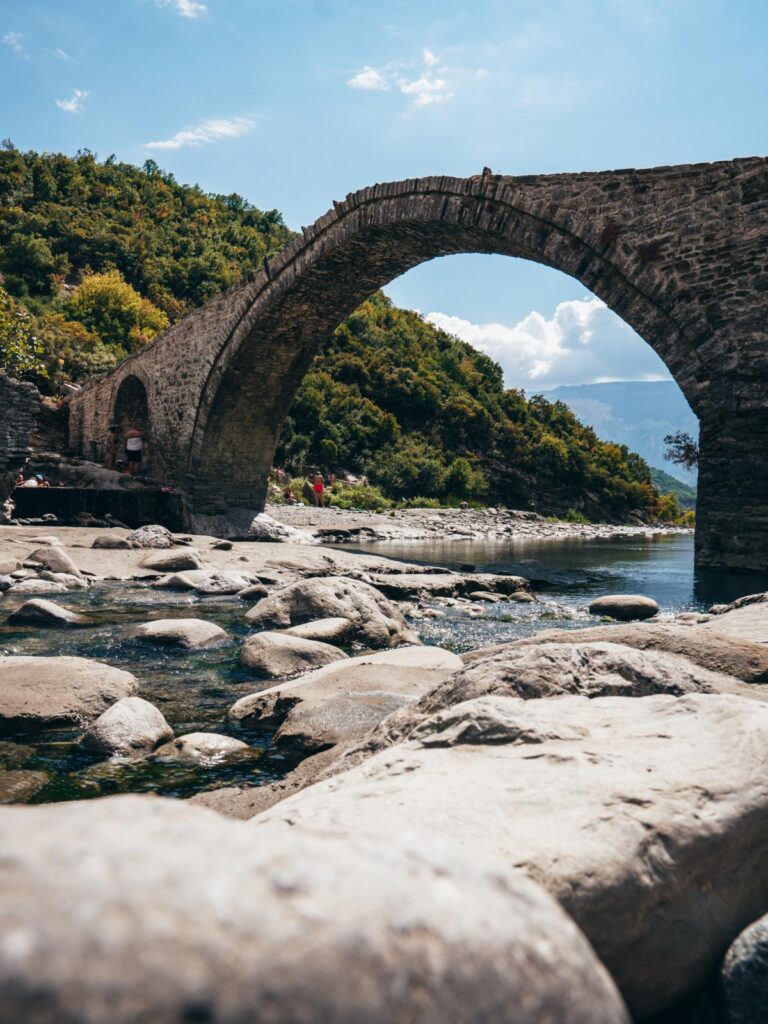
(294, 103)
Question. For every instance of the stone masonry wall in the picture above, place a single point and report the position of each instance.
(21, 414)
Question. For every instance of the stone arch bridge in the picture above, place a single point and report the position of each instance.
(680, 253)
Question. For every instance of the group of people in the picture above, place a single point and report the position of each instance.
(37, 480)
(313, 490)
(135, 450)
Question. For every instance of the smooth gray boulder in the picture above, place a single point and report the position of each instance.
(328, 631)
(32, 585)
(631, 813)
(154, 536)
(624, 607)
(112, 541)
(173, 561)
(49, 691)
(376, 621)
(53, 558)
(265, 528)
(180, 916)
(276, 655)
(39, 612)
(16, 787)
(130, 728)
(254, 592)
(205, 749)
(744, 976)
(190, 634)
(205, 581)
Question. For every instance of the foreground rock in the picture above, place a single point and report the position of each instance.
(748, 621)
(342, 702)
(205, 749)
(265, 528)
(39, 612)
(130, 728)
(154, 536)
(376, 621)
(190, 634)
(632, 813)
(53, 558)
(207, 582)
(291, 928)
(37, 586)
(173, 561)
(277, 655)
(328, 631)
(744, 977)
(625, 607)
(51, 691)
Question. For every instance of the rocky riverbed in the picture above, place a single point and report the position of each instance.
(567, 826)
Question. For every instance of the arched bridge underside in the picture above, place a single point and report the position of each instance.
(680, 253)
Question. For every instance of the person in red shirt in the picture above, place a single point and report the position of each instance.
(318, 486)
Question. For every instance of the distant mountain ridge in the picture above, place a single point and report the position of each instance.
(635, 413)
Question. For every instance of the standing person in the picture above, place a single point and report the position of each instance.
(111, 447)
(318, 486)
(135, 449)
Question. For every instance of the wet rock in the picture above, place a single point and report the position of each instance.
(173, 561)
(37, 586)
(14, 755)
(296, 927)
(402, 586)
(624, 607)
(112, 541)
(744, 976)
(203, 581)
(191, 634)
(277, 655)
(66, 579)
(49, 691)
(206, 749)
(129, 728)
(151, 537)
(484, 595)
(255, 592)
(53, 558)
(16, 787)
(343, 701)
(39, 612)
(334, 630)
(376, 622)
(632, 813)
(522, 597)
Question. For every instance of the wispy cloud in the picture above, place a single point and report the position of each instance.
(61, 54)
(75, 103)
(369, 79)
(425, 82)
(206, 132)
(184, 8)
(14, 41)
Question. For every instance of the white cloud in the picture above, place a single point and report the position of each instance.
(185, 8)
(583, 342)
(13, 40)
(428, 57)
(74, 105)
(61, 55)
(369, 79)
(205, 133)
(426, 89)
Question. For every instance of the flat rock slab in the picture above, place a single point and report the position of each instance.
(189, 634)
(130, 728)
(376, 621)
(182, 916)
(748, 622)
(402, 586)
(205, 749)
(276, 655)
(207, 582)
(343, 701)
(625, 607)
(632, 813)
(39, 612)
(51, 691)
(37, 586)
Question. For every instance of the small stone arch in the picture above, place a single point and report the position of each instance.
(130, 409)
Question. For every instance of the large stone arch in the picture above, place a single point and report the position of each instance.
(678, 252)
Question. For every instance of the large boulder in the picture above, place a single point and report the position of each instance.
(174, 913)
(189, 634)
(376, 621)
(277, 655)
(632, 813)
(50, 691)
(265, 528)
(39, 612)
(624, 607)
(154, 536)
(206, 749)
(173, 561)
(343, 701)
(744, 976)
(54, 558)
(130, 728)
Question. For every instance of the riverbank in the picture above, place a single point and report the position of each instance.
(340, 526)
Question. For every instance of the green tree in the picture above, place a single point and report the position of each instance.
(20, 350)
(110, 307)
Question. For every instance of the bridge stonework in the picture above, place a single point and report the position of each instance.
(680, 253)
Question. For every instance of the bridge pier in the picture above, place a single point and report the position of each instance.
(732, 506)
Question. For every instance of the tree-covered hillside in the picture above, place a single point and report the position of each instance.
(97, 258)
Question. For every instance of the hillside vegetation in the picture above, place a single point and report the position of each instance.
(97, 258)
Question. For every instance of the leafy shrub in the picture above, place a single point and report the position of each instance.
(362, 496)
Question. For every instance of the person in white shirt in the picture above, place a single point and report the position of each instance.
(135, 449)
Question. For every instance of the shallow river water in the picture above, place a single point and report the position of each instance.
(194, 691)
